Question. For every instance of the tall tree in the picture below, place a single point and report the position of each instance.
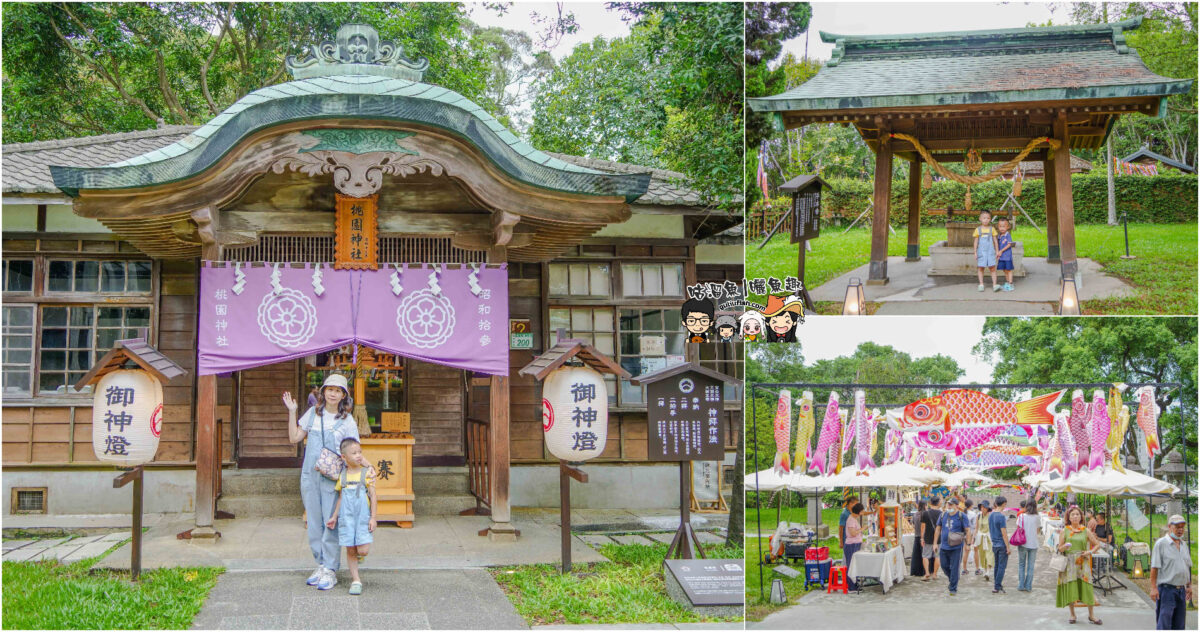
(515, 67)
(75, 69)
(1103, 350)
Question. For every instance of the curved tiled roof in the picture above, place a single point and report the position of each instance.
(338, 97)
(26, 165)
(976, 67)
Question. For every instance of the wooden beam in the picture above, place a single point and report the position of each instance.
(503, 223)
(1048, 181)
(207, 469)
(992, 156)
(498, 441)
(882, 203)
(1062, 191)
(914, 211)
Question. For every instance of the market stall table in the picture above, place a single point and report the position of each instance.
(886, 567)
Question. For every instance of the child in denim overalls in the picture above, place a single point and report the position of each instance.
(356, 509)
(986, 249)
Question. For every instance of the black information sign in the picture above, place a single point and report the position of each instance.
(685, 413)
(806, 213)
(710, 582)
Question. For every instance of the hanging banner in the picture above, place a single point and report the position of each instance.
(252, 316)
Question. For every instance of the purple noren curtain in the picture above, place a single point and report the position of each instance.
(455, 316)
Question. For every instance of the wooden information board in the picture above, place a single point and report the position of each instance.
(684, 413)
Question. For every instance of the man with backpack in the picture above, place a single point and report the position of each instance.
(997, 529)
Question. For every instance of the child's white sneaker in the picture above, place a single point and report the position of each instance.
(328, 580)
(995, 288)
(980, 288)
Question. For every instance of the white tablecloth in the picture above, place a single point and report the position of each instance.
(906, 543)
(887, 567)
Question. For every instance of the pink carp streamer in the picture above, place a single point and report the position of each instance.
(1098, 428)
(783, 432)
(1147, 418)
(828, 448)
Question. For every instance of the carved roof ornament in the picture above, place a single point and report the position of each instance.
(356, 158)
(356, 50)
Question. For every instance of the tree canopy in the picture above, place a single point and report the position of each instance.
(668, 95)
(1130, 350)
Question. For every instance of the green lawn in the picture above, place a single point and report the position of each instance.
(627, 589)
(1164, 273)
(50, 595)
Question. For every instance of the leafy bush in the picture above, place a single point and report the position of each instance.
(1162, 199)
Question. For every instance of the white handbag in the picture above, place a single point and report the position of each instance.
(1058, 562)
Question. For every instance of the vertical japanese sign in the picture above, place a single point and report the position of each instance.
(806, 213)
(684, 415)
(356, 233)
(127, 417)
(575, 413)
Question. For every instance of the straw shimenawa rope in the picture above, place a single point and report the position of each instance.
(974, 161)
(996, 172)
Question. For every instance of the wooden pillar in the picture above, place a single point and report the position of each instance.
(207, 467)
(1062, 194)
(498, 442)
(914, 211)
(882, 203)
(1052, 254)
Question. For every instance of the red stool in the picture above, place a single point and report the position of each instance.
(837, 580)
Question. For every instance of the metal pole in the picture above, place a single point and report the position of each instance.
(1186, 494)
(758, 489)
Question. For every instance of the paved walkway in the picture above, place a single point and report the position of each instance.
(65, 550)
(913, 604)
(910, 291)
(410, 600)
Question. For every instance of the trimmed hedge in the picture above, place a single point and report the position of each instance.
(1163, 199)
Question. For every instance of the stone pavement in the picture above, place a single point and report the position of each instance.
(913, 604)
(405, 600)
(65, 550)
(435, 542)
(910, 291)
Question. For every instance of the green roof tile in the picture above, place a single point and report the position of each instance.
(976, 67)
(339, 97)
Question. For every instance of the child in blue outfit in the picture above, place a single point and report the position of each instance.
(356, 508)
(1005, 241)
(986, 249)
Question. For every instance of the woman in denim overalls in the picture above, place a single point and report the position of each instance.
(325, 425)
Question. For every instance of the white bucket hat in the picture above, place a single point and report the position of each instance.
(338, 380)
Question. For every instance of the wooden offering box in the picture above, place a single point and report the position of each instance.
(889, 523)
(390, 453)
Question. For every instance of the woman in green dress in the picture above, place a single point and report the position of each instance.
(1075, 583)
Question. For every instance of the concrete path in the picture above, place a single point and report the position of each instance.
(736, 625)
(391, 600)
(435, 542)
(913, 604)
(910, 291)
(65, 550)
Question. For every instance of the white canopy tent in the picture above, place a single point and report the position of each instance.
(1109, 482)
(962, 477)
(766, 481)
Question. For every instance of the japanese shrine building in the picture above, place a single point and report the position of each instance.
(995, 91)
(104, 235)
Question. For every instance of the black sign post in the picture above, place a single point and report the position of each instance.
(806, 221)
(685, 405)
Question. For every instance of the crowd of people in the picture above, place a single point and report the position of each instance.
(952, 534)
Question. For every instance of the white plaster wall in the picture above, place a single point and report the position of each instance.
(646, 226)
(74, 492)
(60, 218)
(18, 217)
(732, 254)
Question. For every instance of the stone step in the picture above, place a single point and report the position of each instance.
(292, 505)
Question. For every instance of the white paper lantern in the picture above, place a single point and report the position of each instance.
(127, 417)
(575, 413)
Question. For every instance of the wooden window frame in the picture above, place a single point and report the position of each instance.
(16, 492)
(682, 295)
(589, 264)
(32, 345)
(40, 297)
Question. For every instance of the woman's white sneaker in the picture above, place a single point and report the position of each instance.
(315, 577)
